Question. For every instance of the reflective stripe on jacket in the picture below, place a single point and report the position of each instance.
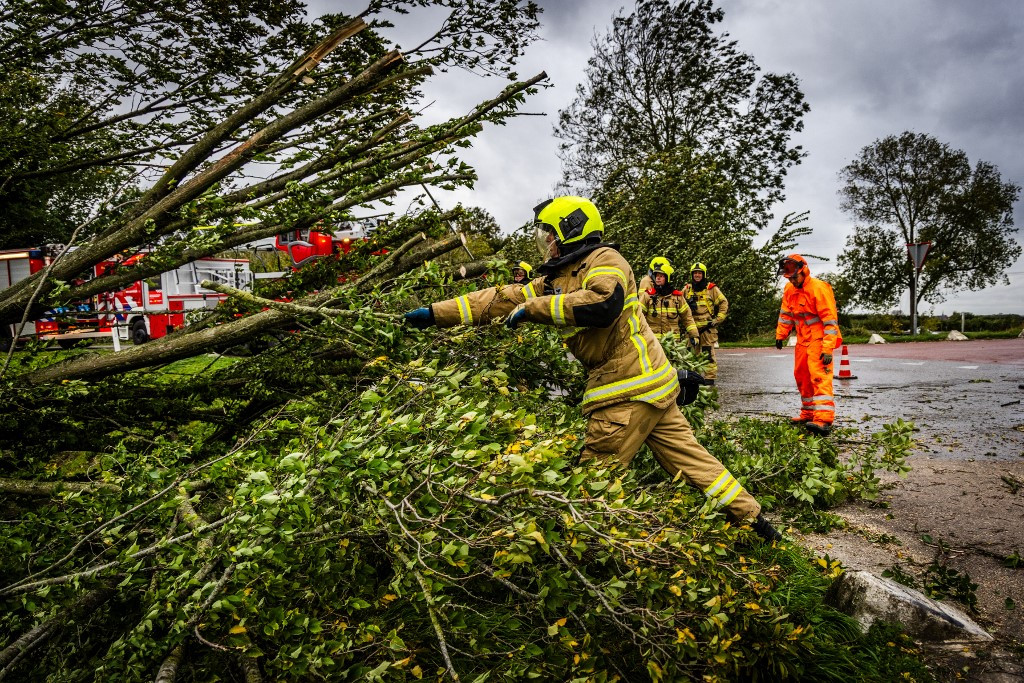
(667, 314)
(812, 310)
(594, 301)
(707, 304)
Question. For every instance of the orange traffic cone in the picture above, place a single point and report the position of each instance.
(844, 365)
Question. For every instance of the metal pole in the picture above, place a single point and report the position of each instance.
(913, 305)
(961, 322)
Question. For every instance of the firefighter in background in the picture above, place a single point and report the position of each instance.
(648, 280)
(809, 305)
(664, 306)
(709, 307)
(586, 289)
(521, 273)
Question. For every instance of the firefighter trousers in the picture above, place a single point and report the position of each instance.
(814, 380)
(616, 433)
(708, 338)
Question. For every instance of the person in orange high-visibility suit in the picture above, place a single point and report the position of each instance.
(809, 305)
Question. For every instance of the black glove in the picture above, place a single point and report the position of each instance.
(690, 383)
(420, 318)
(826, 358)
(778, 344)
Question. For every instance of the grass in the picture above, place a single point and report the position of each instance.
(196, 365)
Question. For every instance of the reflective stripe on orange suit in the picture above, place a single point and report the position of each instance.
(811, 309)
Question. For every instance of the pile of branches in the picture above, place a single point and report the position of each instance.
(414, 511)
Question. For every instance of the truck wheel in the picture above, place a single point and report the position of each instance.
(139, 334)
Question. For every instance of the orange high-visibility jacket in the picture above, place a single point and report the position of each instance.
(812, 309)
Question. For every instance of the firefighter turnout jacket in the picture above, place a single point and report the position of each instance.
(667, 312)
(707, 304)
(592, 297)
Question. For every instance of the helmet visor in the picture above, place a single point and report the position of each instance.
(544, 236)
(788, 267)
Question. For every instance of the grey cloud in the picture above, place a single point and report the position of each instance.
(869, 68)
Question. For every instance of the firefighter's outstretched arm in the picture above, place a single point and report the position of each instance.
(476, 308)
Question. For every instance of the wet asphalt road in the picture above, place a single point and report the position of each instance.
(956, 392)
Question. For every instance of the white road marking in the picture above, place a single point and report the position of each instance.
(862, 360)
(920, 363)
(968, 367)
(778, 355)
(734, 354)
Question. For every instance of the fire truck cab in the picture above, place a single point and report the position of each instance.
(303, 246)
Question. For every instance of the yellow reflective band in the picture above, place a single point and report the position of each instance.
(639, 343)
(655, 394)
(528, 291)
(730, 495)
(717, 484)
(642, 381)
(604, 270)
(465, 311)
(557, 314)
(645, 358)
(630, 302)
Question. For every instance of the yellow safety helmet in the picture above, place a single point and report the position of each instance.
(701, 267)
(660, 264)
(572, 219)
(523, 266)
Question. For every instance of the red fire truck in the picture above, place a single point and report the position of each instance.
(145, 309)
(303, 246)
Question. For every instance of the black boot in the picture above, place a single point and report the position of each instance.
(763, 528)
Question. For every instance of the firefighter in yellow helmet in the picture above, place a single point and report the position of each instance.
(521, 273)
(709, 307)
(663, 305)
(586, 289)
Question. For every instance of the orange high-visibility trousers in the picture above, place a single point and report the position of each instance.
(814, 380)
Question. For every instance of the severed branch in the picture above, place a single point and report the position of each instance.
(27, 487)
(428, 596)
(13, 653)
(169, 669)
(287, 306)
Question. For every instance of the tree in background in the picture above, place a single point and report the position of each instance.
(682, 206)
(661, 79)
(296, 145)
(913, 188)
(93, 91)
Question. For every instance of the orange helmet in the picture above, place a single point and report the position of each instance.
(791, 265)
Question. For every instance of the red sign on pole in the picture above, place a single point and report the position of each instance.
(918, 253)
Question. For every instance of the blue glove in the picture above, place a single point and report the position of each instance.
(517, 317)
(421, 318)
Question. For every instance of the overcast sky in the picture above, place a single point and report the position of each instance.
(869, 68)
